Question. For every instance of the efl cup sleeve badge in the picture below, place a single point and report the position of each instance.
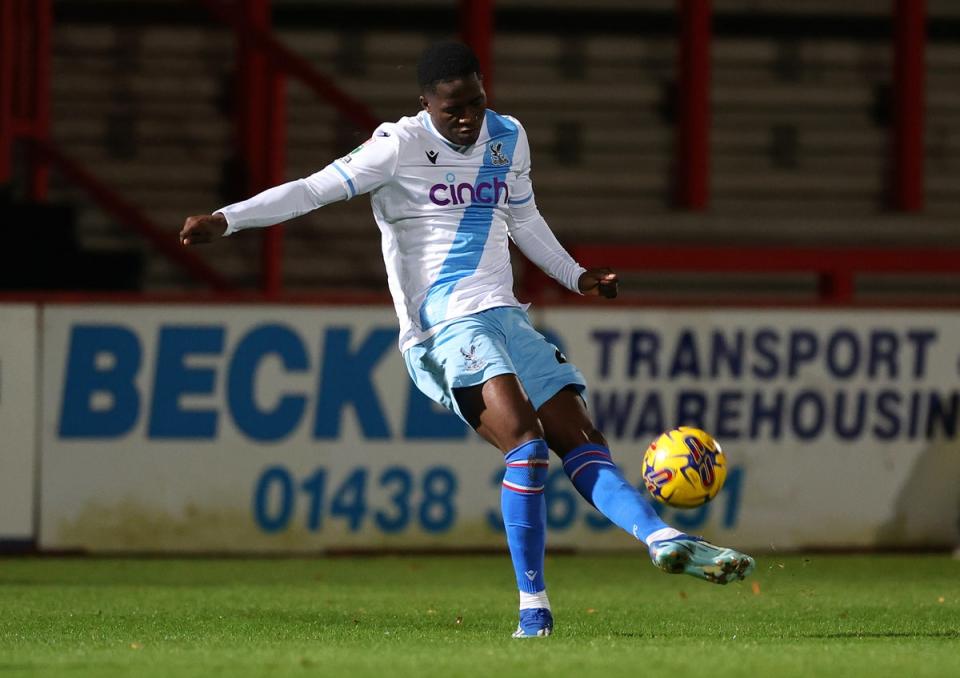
(470, 360)
(349, 156)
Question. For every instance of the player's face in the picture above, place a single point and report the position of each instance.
(456, 108)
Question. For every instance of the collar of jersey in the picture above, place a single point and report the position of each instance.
(428, 123)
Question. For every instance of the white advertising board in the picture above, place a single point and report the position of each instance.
(18, 423)
(228, 428)
(840, 427)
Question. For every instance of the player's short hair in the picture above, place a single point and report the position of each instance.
(445, 61)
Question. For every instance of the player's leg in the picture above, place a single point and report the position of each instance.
(588, 463)
(466, 368)
(554, 387)
(501, 413)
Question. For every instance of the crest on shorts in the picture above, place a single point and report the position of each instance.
(470, 360)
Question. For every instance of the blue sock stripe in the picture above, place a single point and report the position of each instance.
(582, 458)
(583, 455)
(576, 471)
(591, 448)
(522, 489)
(588, 446)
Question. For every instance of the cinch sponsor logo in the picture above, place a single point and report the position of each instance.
(483, 192)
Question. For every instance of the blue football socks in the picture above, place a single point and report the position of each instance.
(525, 511)
(592, 471)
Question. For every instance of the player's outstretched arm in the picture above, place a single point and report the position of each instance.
(202, 228)
(368, 167)
(599, 281)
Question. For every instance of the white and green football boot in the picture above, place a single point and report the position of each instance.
(699, 558)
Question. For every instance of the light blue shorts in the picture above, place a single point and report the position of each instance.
(477, 347)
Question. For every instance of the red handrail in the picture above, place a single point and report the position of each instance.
(295, 65)
(33, 125)
(7, 70)
(264, 63)
(763, 259)
(315, 298)
(25, 114)
(476, 29)
(836, 266)
(909, 75)
(39, 94)
(163, 239)
(693, 105)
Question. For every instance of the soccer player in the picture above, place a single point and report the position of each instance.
(449, 186)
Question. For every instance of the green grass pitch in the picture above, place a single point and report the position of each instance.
(452, 616)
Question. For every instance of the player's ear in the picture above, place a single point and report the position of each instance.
(423, 103)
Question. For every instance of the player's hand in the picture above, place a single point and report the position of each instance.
(202, 228)
(599, 282)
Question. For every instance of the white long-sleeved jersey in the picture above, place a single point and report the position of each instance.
(445, 213)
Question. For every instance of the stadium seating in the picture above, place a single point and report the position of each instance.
(799, 135)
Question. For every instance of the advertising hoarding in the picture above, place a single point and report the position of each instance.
(271, 428)
(18, 421)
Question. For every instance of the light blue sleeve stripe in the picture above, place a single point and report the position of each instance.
(353, 189)
(520, 201)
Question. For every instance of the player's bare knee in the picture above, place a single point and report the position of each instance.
(594, 436)
(525, 431)
(564, 441)
(509, 430)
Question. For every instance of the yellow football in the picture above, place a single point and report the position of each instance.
(684, 467)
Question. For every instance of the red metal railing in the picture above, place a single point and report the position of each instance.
(693, 105)
(837, 268)
(25, 56)
(261, 130)
(130, 217)
(250, 20)
(39, 104)
(263, 65)
(25, 28)
(7, 68)
(264, 62)
(909, 70)
(476, 30)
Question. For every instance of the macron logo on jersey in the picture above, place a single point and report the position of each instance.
(483, 192)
